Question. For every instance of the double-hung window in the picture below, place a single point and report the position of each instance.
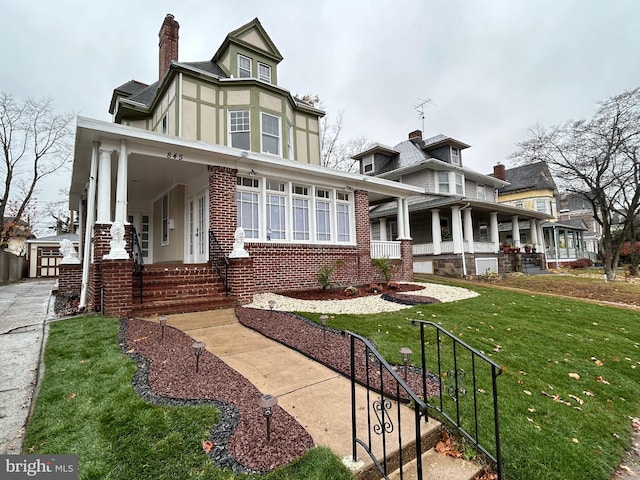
(455, 156)
(480, 192)
(443, 182)
(300, 208)
(343, 216)
(264, 72)
(239, 129)
(323, 215)
(541, 206)
(270, 134)
(276, 202)
(290, 141)
(459, 184)
(244, 66)
(247, 204)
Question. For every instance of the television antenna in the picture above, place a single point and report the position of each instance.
(419, 107)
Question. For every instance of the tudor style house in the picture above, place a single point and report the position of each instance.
(207, 188)
(457, 225)
(532, 187)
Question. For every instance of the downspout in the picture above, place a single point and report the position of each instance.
(88, 233)
(464, 262)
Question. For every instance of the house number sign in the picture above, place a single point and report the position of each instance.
(175, 156)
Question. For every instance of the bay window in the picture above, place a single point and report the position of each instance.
(239, 130)
(270, 133)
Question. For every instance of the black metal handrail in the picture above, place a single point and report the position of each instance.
(369, 369)
(454, 359)
(138, 260)
(219, 260)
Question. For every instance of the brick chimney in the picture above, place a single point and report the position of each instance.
(168, 43)
(416, 135)
(499, 172)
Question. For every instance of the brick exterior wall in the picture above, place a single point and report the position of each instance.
(117, 276)
(69, 280)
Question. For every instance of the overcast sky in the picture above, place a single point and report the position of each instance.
(491, 68)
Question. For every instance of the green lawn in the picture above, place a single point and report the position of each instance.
(86, 406)
(579, 427)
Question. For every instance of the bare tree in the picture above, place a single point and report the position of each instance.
(597, 159)
(335, 153)
(36, 142)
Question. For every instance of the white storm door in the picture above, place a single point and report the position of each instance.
(142, 224)
(197, 229)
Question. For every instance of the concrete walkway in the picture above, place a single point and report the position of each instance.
(319, 398)
(24, 309)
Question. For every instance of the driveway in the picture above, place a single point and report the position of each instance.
(24, 308)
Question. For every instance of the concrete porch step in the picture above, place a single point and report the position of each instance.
(442, 467)
(181, 305)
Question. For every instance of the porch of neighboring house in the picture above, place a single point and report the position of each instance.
(465, 239)
(565, 243)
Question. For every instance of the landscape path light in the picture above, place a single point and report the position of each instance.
(198, 348)
(272, 304)
(267, 403)
(405, 353)
(163, 323)
(323, 320)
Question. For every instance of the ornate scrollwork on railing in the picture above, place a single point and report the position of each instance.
(381, 408)
(457, 388)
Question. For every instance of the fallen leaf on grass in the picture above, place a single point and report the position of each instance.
(601, 379)
(71, 396)
(575, 440)
(447, 447)
(527, 392)
(579, 400)
(575, 376)
(207, 445)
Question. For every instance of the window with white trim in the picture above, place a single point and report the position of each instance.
(367, 164)
(443, 182)
(480, 192)
(323, 215)
(276, 211)
(459, 184)
(455, 156)
(270, 133)
(244, 66)
(264, 72)
(541, 206)
(247, 204)
(239, 129)
(300, 210)
(165, 124)
(343, 216)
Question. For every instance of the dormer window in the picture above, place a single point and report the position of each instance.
(244, 67)
(455, 156)
(367, 164)
(264, 72)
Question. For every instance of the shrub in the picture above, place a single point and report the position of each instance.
(581, 263)
(351, 290)
(384, 267)
(325, 272)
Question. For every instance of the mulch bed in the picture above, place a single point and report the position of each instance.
(166, 375)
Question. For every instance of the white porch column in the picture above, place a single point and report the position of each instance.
(495, 234)
(400, 217)
(407, 223)
(456, 229)
(435, 231)
(533, 230)
(104, 187)
(383, 229)
(121, 184)
(515, 231)
(468, 230)
(88, 231)
(81, 214)
(541, 246)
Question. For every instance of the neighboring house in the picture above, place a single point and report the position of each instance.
(458, 213)
(574, 206)
(18, 233)
(44, 254)
(209, 147)
(532, 187)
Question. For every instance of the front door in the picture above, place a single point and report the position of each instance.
(142, 224)
(197, 229)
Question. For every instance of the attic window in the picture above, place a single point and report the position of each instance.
(264, 72)
(367, 164)
(455, 156)
(244, 67)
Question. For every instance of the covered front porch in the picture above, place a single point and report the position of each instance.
(457, 236)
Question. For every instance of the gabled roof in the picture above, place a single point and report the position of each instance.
(441, 139)
(250, 35)
(534, 176)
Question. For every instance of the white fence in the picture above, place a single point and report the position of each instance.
(385, 249)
